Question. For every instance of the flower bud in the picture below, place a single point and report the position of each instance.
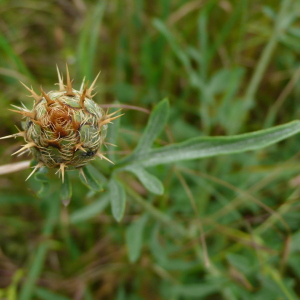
(65, 128)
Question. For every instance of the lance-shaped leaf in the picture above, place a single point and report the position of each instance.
(89, 211)
(134, 238)
(117, 199)
(149, 181)
(40, 175)
(45, 294)
(156, 124)
(201, 147)
(112, 133)
(66, 190)
(158, 252)
(88, 179)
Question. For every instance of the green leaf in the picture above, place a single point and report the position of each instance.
(157, 250)
(241, 262)
(66, 190)
(40, 175)
(156, 124)
(176, 48)
(117, 199)
(194, 78)
(134, 238)
(199, 290)
(150, 182)
(89, 211)
(45, 294)
(89, 180)
(6, 47)
(94, 170)
(12, 290)
(295, 243)
(211, 146)
(112, 134)
(40, 253)
(89, 39)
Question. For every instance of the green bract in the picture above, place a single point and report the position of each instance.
(65, 128)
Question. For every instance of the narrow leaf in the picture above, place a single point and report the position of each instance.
(211, 146)
(198, 290)
(149, 181)
(66, 190)
(88, 39)
(134, 238)
(181, 55)
(156, 124)
(117, 199)
(194, 78)
(87, 212)
(6, 47)
(40, 253)
(89, 180)
(157, 250)
(45, 294)
(112, 134)
(40, 175)
(94, 170)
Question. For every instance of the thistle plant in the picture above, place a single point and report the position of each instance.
(65, 129)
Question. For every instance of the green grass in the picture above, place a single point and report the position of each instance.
(174, 219)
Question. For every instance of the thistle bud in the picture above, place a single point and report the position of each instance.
(65, 128)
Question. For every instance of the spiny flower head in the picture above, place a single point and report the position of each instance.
(65, 128)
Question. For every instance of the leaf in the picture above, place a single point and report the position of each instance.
(66, 190)
(45, 294)
(40, 175)
(150, 182)
(157, 250)
(134, 238)
(6, 47)
(241, 262)
(88, 39)
(12, 289)
(94, 170)
(112, 133)
(281, 287)
(211, 146)
(195, 79)
(198, 290)
(40, 253)
(175, 46)
(117, 199)
(89, 180)
(295, 244)
(156, 124)
(89, 211)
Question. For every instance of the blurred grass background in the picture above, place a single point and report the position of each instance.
(228, 67)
